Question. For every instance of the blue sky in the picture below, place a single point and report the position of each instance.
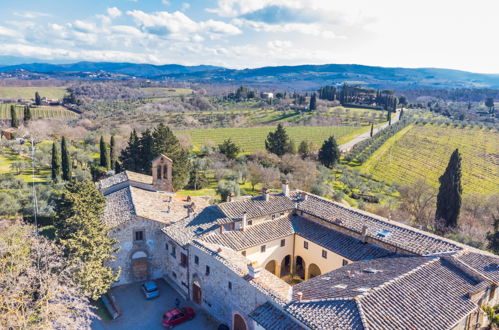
(253, 33)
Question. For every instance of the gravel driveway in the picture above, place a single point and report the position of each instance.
(139, 313)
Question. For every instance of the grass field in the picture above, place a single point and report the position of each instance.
(422, 152)
(46, 112)
(8, 157)
(29, 92)
(253, 138)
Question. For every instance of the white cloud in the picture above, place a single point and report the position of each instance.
(166, 2)
(114, 12)
(82, 26)
(31, 14)
(314, 29)
(4, 31)
(185, 6)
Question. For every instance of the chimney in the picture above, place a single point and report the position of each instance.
(299, 296)
(364, 234)
(244, 222)
(230, 198)
(304, 196)
(253, 270)
(266, 194)
(285, 188)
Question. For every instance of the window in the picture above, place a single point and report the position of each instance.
(174, 252)
(250, 222)
(305, 245)
(166, 246)
(174, 275)
(243, 253)
(183, 260)
(138, 235)
(196, 260)
(324, 254)
(207, 270)
(345, 262)
(262, 248)
(283, 242)
(230, 285)
(273, 216)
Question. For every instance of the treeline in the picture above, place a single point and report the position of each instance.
(357, 95)
(104, 91)
(454, 95)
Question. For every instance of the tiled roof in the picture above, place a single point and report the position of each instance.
(330, 314)
(257, 206)
(185, 230)
(342, 244)
(119, 207)
(271, 317)
(123, 177)
(486, 264)
(395, 234)
(253, 235)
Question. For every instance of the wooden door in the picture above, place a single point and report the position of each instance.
(139, 269)
(196, 290)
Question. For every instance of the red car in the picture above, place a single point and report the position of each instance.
(177, 316)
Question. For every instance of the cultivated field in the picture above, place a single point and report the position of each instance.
(253, 138)
(45, 112)
(29, 92)
(422, 152)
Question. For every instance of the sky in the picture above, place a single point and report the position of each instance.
(453, 34)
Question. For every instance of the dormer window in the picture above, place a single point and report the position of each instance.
(250, 222)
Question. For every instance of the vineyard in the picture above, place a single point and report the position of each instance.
(253, 138)
(422, 152)
(29, 92)
(45, 112)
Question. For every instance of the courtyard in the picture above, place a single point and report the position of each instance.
(139, 313)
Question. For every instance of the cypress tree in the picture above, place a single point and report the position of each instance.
(401, 113)
(112, 152)
(313, 102)
(27, 114)
(104, 157)
(129, 156)
(278, 142)
(329, 154)
(146, 154)
(372, 130)
(14, 122)
(38, 99)
(56, 162)
(449, 195)
(389, 117)
(66, 161)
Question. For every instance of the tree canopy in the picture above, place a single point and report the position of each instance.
(449, 195)
(229, 149)
(278, 142)
(329, 154)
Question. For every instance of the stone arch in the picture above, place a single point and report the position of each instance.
(286, 265)
(313, 271)
(300, 267)
(271, 266)
(197, 294)
(239, 323)
(139, 264)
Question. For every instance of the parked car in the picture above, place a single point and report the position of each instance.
(177, 316)
(150, 289)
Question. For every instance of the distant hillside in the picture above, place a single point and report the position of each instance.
(301, 77)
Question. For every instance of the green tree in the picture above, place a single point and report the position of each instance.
(401, 113)
(329, 154)
(27, 114)
(229, 149)
(278, 142)
(56, 162)
(66, 161)
(389, 117)
(38, 99)
(104, 156)
(130, 156)
(304, 149)
(372, 130)
(14, 121)
(84, 238)
(146, 153)
(493, 237)
(449, 195)
(166, 143)
(489, 103)
(112, 152)
(313, 102)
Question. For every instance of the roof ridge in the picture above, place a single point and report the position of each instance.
(129, 188)
(362, 315)
(398, 278)
(453, 260)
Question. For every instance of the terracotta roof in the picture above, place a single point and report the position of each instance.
(256, 206)
(119, 207)
(125, 176)
(271, 317)
(485, 264)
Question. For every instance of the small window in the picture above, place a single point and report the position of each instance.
(250, 222)
(174, 252)
(230, 285)
(166, 246)
(138, 235)
(262, 248)
(243, 253)
(207, 270)
(273, 216)
(305, 245)
(183, 260)
(283, 242)
(345, 262)
(174, 275)
(196, 260)
(324, 254)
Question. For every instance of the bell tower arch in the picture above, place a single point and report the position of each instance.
(162, 173)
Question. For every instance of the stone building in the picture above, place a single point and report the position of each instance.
(293, 260)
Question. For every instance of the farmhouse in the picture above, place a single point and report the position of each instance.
(293, 260)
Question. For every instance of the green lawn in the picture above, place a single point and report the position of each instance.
(253, 138)
(8, 157)
(29, 92)
(46, 112)
(422, 152)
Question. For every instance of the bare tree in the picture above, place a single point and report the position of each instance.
(418, 200)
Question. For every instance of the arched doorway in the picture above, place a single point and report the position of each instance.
(271, 266)
(300, 267)
(196, 290)
(286, 265)
(239, 323)
(139, 265)
(313, 271)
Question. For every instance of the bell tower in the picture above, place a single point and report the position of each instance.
(162, 173)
